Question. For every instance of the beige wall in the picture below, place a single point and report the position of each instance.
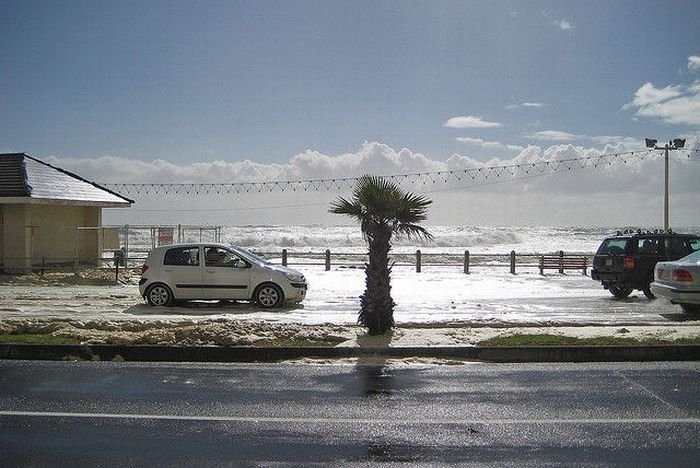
(49, 231)
(16, 235)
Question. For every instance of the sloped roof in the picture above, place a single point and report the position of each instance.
(26, 179)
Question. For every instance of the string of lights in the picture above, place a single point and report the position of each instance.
(466, 176)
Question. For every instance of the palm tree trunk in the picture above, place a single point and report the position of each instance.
(377, 306)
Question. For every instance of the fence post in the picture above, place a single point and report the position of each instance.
(512, 262)
(126, 241)
(43, 265)
(561, 261)
(466, 262)
(418, 261)
(542, 265)
(76, 259)
(328, 259)
(284, 257)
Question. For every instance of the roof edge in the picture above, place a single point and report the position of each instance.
(60, 201)
(71, 174)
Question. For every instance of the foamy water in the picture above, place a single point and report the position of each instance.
(348, 239)
(489, 296)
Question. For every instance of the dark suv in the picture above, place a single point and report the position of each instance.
(626, 261)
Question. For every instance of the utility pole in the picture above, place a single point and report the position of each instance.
(676, 144)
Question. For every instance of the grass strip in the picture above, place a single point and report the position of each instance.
(39, 339)
(558, 340)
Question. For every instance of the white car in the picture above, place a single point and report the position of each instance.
(216, 271)
(679, 281)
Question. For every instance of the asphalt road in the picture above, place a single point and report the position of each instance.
(138, 414)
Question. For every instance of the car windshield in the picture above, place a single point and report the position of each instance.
(612, 246)
(248, 255)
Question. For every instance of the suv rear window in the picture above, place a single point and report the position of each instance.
(188, 256)
(612, 246)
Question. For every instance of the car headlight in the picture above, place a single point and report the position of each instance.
(295, 277)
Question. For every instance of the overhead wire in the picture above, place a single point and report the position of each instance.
(487, 175)
(478, 173)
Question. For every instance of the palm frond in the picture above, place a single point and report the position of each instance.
(378, 202)
(346, 207)
(413, 231)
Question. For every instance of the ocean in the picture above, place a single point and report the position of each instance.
(453, 240)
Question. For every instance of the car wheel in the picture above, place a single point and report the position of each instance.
(691, 308)
(620, 292)
(647, 292)
(159, 295)
(268, 296)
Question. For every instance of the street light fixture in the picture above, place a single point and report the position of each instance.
(675, 144)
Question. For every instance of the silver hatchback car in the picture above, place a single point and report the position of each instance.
(216, 271)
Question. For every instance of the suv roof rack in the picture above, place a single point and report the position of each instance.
(640, 232)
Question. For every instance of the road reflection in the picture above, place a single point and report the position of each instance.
(375, 380)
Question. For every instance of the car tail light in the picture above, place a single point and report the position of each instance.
(682, 275)
(144, 269)
(628, 263)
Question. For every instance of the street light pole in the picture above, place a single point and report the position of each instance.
(678, 143)
(666, 149)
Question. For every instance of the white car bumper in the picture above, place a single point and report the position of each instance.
(675, 294)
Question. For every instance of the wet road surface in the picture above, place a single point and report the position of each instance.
(118, 414)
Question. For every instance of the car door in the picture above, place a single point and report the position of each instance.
(650, 250)
(183, 272)
(225, 275)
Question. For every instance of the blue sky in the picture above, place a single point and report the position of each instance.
(196, 81)
(265, 81)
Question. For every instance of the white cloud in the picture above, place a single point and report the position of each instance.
(469, 121)
(561, 23)
(694, 63)
(536, 105)
(559, 136)
(495, 145)
(648, 95)
(373, 157)
(614, 140)
(553, 135)
(674, 104)
(627, 183)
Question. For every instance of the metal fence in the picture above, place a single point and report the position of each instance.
(467, 263)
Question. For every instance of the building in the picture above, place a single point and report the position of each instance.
(49, 215)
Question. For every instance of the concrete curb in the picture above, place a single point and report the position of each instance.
(152, 353)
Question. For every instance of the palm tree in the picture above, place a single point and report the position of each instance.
(382, 209)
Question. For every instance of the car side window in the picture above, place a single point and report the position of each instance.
(679, 247)
(218, 257)
(649, 246)
(182, 256)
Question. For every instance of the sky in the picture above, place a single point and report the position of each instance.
(233, 91)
